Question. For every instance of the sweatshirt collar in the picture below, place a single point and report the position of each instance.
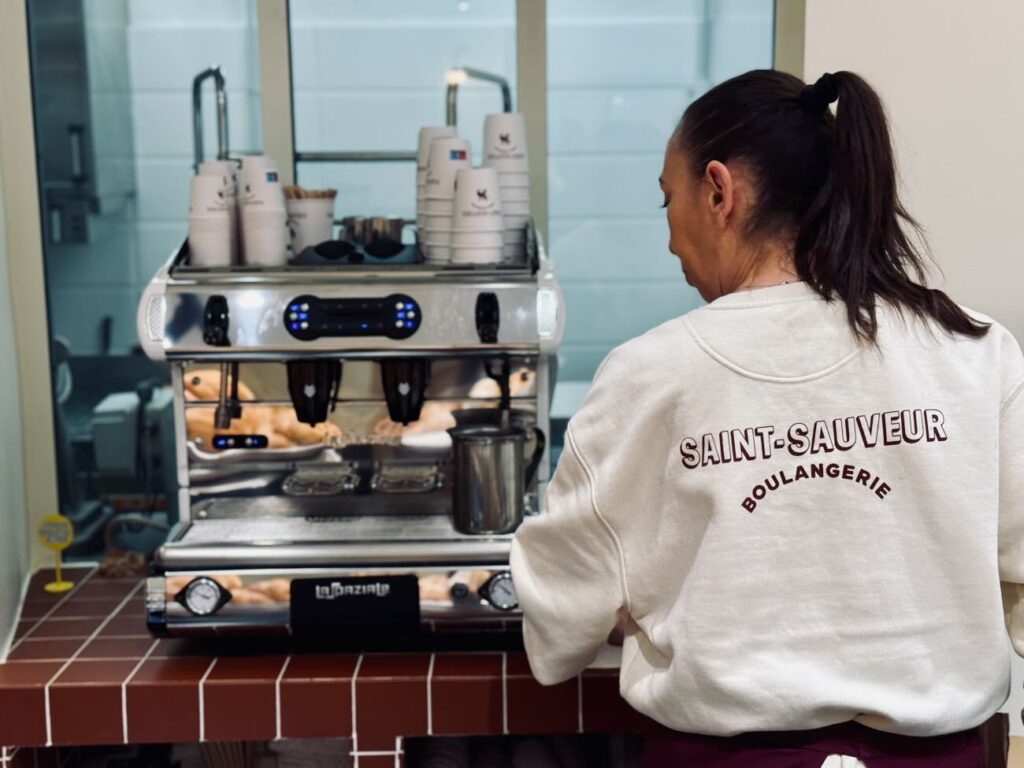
(760, 297)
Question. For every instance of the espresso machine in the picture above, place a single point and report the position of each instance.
(355, 445)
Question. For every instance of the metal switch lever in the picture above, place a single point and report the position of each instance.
(216, 322)
(488, 317)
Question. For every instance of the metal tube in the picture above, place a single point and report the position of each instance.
(354, 157)
(450, 111)
(197, 114)
(506, 91)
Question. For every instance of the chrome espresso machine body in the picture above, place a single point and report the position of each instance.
(319, 487)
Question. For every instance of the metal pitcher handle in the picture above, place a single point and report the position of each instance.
(538, 454)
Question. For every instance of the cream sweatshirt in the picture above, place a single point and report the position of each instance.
(802, 529)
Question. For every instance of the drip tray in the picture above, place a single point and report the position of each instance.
(297, 530)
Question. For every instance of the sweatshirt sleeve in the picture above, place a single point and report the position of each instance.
(1011, 515)
(567, 570)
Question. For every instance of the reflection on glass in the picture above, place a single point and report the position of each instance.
(111, 86)
(366, 76)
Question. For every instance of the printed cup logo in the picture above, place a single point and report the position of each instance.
(272, 176)
(482, 203)
(336, 589)
(456, 154)
(505, 147)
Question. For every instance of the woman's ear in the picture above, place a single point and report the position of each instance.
(721, 198)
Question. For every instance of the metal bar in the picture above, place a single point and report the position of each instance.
(531, 84)
(506, 91)
(197, 114)
(354, 157)
(487, 551)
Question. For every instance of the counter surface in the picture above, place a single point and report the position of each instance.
(83, 670)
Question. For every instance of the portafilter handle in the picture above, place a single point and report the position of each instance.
(405, 385)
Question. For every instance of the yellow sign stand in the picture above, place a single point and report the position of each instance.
(56, 534)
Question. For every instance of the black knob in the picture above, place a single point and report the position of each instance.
(215, 322)
(488, 317)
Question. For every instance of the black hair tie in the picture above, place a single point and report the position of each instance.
(816, 97)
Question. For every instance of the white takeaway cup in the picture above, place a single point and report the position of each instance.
(447, 156)
(438, 207)
(514, 208)
(439, 237)
(265, 195)
(227, 172)
(310, 221)
(505, 142)
(427, 134)
(477, 200)
(254, 167)
(476, 255)
(264, 237)
(438, 223)
(438, 253)
(472, 238)
(513, 178)
(209, 196)
(209, 241)
(515, 195)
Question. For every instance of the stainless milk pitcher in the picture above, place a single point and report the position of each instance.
(489, 479)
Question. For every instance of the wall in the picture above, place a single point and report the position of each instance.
(13, 549)
(619, 77)
(167, 45)
(945, 71)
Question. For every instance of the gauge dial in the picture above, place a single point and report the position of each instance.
(203, 596)
(500, 592)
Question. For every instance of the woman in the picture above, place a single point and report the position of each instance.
(799, 495)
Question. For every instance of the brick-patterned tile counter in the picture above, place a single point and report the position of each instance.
(83, 670)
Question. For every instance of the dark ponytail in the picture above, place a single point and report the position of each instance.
(825, 184)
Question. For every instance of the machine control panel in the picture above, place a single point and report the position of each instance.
(396, 316)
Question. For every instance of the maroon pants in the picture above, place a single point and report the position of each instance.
(809, 749)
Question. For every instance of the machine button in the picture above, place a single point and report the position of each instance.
(216, 322)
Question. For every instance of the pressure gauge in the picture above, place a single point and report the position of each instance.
(203, 596)
(500, 592)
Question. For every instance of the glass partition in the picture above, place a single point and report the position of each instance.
(112, 84)
(619, 77)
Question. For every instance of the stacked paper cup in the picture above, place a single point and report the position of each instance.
(427, 135)
(505, 151)
(209, 223)
(227, 172)
(447, 156)
(477, 225)
(264, 218)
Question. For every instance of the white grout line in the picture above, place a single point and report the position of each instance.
(355, 734)
(277, 695)
(56, 605)
(430, 703)
(398, 752)
(202, 701)
(579, 701)
(124, 690)
(75, 655)
(373, 753)
(504, 693)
